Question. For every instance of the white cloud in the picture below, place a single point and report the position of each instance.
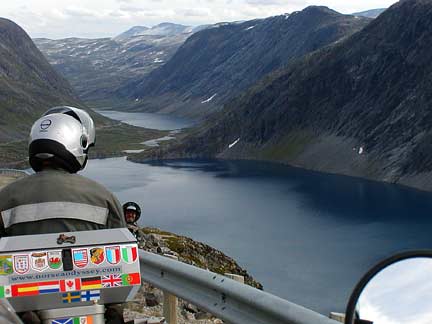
(102, 18)
(81, 12)
(194, 12)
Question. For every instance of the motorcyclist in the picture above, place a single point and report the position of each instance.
(56, 199)
(132, 213)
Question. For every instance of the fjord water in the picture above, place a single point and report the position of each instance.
(306, 236)
(148, 120)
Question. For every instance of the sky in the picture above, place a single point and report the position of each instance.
(399, 294)
(107, 18)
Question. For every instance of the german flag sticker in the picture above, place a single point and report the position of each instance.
(91, 283)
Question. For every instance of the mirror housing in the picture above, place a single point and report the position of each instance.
(376, 275)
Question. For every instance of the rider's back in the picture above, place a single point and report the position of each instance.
(53, 201)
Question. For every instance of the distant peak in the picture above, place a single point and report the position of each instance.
(168, 24)
(319, 9)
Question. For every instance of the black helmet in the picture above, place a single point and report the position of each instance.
(132, 206)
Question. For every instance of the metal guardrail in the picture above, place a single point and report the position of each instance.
(225, 298)
(13, 172)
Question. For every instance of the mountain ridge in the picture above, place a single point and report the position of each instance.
(219, 62)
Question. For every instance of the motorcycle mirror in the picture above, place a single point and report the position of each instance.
(395, 291)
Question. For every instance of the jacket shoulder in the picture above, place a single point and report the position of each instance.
(91, 184)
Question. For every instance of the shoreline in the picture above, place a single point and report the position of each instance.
(129, 157)
(284, 163)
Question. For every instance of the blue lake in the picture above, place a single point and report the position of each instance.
(148, 120)
(306, 236)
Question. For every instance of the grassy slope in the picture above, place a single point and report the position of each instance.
(111, 141)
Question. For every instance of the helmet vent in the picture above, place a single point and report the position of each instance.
(44, 156)
(84, 141)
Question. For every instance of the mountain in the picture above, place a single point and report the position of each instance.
(217, 63)
(134, 31)
(28, 83)
(360, 107)
(97, 67)
(163, 29)
(370, 13)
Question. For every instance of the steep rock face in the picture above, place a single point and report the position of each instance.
(217, 63)
(360, 107)
(28, 84)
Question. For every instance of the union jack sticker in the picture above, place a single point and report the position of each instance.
(112, 280)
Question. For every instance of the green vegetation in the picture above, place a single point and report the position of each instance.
(289, 147)
(111, 104)
(14, 155)
(150, 230)
(111, 141)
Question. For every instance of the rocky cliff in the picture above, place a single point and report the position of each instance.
(28, 83)
(360, 107)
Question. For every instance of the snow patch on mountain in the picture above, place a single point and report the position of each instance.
(209, 99)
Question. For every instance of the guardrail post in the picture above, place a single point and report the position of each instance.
(170, 302)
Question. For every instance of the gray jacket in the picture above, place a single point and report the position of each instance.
(54, 201)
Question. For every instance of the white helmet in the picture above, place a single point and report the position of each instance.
(64, 136)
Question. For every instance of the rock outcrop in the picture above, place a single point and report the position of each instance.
(148, 302)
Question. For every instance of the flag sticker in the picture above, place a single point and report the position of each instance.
(112, 281)
(83, 320)
(112, 254)
(49, 287)
(6, 267)
(131, 279)
(80, 257)
(129, 253)
(5, 291)
(91, 283)
(71, 297)
(70, 285)
(90, 295)
(21, 263)
(39, 261)
(97, 255)
(54, 259)
(63, 321)
(74, 320)
(29, 289)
